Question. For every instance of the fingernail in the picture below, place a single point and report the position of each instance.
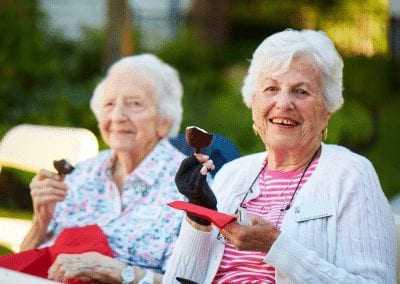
(203, 170)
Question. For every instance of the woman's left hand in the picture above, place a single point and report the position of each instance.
(259, 236)
(85, 266)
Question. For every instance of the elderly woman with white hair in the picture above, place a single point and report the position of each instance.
(124, 190)
(316, 213)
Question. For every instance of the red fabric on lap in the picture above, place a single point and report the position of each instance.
(80, 240)
(217, 218)
(71, 241)
(35, 262)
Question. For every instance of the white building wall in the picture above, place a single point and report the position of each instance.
(154, 18)
(68, 16)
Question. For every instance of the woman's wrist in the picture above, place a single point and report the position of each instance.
(140, 275)
(204, 228)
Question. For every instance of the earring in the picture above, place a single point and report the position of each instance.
(255, 129)
(325, 133)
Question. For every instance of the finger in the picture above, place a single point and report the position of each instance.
(202, 158)
(255, 220)
(207, 166)
(55, 271)
(47, 199)
(187, 165)
(229, 230)
(43, 174)
(48, 186)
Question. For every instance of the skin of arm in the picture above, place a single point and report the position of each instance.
(92, 266)
(46, 189)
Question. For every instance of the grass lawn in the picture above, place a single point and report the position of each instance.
(15, 213)
(4, 250)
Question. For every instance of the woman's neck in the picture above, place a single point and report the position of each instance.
(126, 162)
(290, 160)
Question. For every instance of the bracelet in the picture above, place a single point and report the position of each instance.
(148, 278)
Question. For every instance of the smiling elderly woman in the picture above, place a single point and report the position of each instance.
(124, 190)
(317, 211)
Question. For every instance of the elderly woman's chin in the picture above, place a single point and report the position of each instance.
(280, 141)
(121, 143)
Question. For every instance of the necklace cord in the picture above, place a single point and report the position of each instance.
(287, 207)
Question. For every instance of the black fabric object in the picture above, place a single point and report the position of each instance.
(192, 184)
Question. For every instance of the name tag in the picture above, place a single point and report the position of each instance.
(313, 210)
(146, 212)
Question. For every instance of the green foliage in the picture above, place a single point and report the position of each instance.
(16, 214)
(47, 79)
(4, 250)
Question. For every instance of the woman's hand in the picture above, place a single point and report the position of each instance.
(86, 266)
(191, 182)
(47, 188)
(259, 236)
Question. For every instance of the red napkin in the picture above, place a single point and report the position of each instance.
(217, 218)
(71, 240)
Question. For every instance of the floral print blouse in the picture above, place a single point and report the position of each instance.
(141, 228)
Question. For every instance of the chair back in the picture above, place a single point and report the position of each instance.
(397, 222)
(33, 147)
(221, 150)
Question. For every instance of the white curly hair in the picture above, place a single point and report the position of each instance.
(276, 52)
(169, 90)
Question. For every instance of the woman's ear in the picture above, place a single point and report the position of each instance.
(163, 126)
(328, 115)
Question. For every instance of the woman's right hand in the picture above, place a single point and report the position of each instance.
(192, 182)
(47, 188)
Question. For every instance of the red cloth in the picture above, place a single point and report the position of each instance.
(71, 241)
(217, 218)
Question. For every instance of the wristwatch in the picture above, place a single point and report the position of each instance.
(148, 278)
(128, 275)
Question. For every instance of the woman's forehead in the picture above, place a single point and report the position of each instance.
(132, 82)
(300, 70)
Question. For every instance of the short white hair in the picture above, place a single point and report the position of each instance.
(276, 52)
(168, 87)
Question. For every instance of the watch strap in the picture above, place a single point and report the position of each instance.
(148, 277)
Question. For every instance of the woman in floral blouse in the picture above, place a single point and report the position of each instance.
(124, 190)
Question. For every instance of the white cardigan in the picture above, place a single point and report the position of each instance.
(340, 228)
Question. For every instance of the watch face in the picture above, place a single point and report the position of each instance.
(128, 275)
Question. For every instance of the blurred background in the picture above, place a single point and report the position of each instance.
(53, 52)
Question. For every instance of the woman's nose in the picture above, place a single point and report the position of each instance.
(284, 100)
(118, 112)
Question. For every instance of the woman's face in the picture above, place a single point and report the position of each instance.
(288, 109)
(129, 119)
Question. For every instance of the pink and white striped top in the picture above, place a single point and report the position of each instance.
(276, 190)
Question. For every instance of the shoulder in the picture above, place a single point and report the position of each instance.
(165, 153)
(347, 171)
(340, 157)
(240, 169)
(93, 164)
(248, 161)
(102, 156)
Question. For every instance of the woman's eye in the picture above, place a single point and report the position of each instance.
(301, 92)
(134, 103)
(270, 90)
(107, 104)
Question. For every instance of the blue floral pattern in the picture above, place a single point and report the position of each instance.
(141, 228)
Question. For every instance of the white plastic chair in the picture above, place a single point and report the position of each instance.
(8, 276)
(397, 222)
(33, 147)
